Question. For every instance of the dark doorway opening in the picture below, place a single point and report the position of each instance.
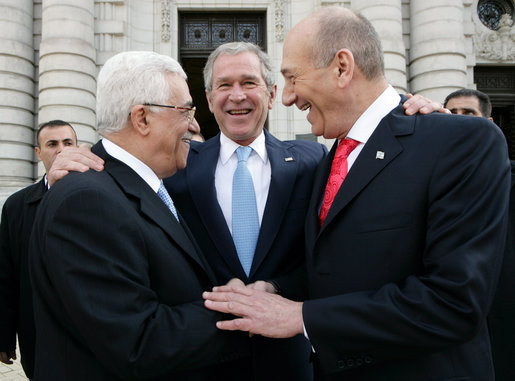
(193, 68)
(200, 34)
(499, 83)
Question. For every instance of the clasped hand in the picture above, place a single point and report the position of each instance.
(257, 311)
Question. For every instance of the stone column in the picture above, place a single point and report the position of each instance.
(67, 66)
(438, 60)
(16, 96)
(386, 16)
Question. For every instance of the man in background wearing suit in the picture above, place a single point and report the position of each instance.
(18, 213)
(501, 319)
(116, 274)
(404, 252)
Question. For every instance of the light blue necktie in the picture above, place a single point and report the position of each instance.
(245, 220)
(163, 195)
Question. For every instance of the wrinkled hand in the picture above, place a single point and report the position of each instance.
(6, 357)
(78, 159)
(418, 103)
(259, 312)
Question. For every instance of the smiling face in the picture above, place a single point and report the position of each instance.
(239, 98)
(171, 130)
(309, 88)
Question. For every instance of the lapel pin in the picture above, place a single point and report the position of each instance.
(380, 155)
(288, 158)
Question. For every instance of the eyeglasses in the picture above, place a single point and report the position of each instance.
(191, 110)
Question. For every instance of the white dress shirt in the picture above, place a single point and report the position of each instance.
(369, 120)
(133, 162)
(366, 124)
(258, 165)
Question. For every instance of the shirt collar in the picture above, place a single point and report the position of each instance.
(228, 147)
(133, 162)
(368, 121)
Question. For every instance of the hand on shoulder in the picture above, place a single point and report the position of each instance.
(79, 159)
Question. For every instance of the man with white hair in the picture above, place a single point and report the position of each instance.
(116, 274)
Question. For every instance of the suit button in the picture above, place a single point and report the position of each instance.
(368, 360)
(340, 364)
(350, 363)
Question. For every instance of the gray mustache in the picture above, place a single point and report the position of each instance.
(188, 135)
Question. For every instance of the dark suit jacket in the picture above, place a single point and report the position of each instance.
(403, 271)
(501, 320)
(15, 292)
(280, 247)
(117, 285)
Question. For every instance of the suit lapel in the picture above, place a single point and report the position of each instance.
(367, 165)
(319, 183)
(201, 182)
(150, 204)
(283, 178)
(37, 192)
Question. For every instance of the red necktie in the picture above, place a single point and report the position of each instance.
(337, 175)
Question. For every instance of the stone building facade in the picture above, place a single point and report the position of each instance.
(52, 50)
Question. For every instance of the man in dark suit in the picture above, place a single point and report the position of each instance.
(404, 252)
(16, 225)
(117, 277)
(240, 90)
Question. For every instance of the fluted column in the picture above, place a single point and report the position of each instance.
(16, 96)
(386, 16)
(438, 61)
(67, 66)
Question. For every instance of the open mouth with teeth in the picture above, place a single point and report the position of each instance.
(239, 112)
(305, 107)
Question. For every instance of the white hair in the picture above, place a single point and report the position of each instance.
(128, 79)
